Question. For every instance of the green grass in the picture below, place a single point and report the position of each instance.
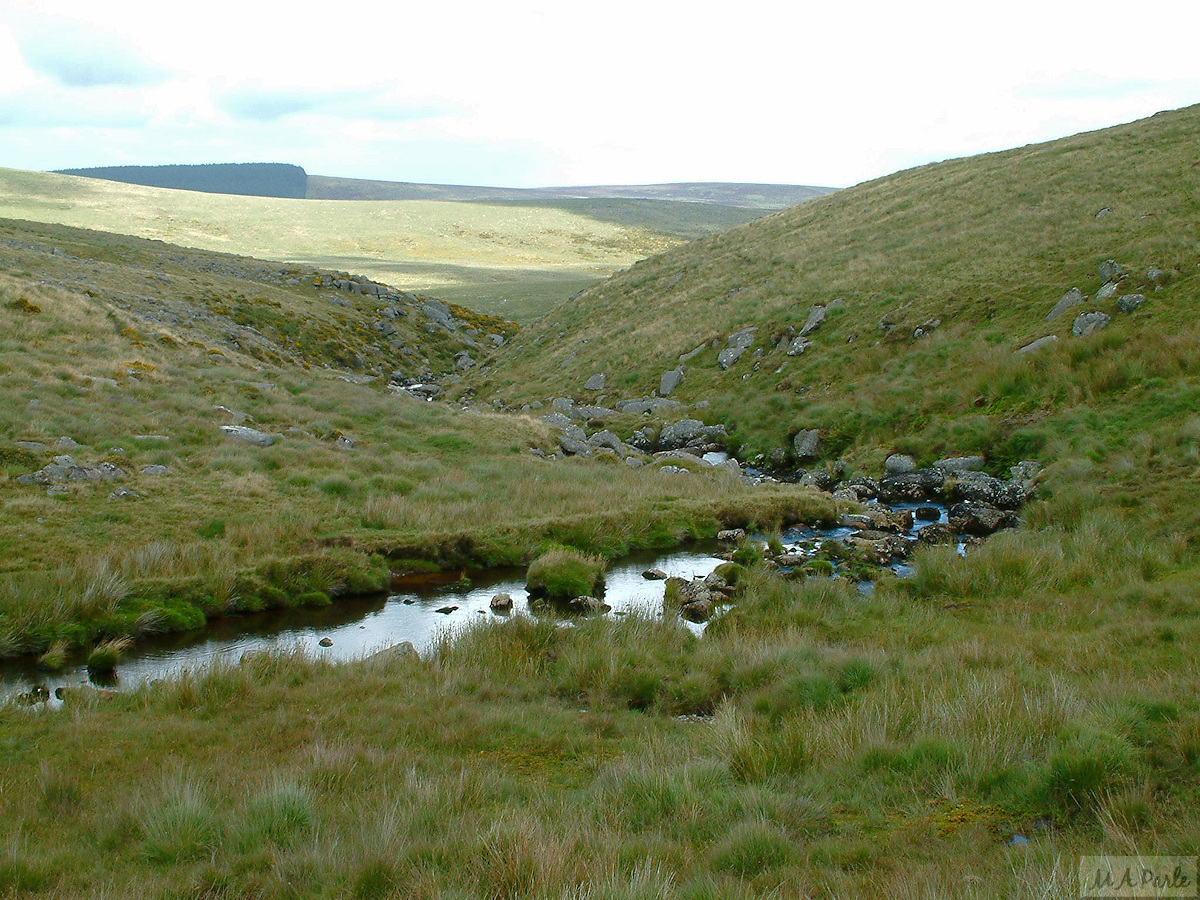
(530, 255)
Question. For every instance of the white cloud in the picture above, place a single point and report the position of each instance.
(536, 93)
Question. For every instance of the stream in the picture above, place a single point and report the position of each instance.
(357, 627)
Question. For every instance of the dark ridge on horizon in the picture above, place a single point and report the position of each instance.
(242, 179)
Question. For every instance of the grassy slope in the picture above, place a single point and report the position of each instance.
(513, 260)
(985, 245)
(123, 343)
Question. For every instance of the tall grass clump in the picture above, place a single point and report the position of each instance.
(180, 824)
(562, 574)
(278, 816)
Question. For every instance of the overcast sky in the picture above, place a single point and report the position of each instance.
(613, 92)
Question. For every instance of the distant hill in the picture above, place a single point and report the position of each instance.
(246, 179)
(719, 193)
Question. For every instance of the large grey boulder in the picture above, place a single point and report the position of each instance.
(669, 381)
(1073, 297)
(1130, 302)
(977, 487)
(248, 435)
(1110, 270)
(595, 383)
(689, 432)
(1086, 323)
(807, 444)
(648, 405)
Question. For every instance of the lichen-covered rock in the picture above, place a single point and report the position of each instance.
(960, 463)
(979, 519)
(1088, 322)
(729, 356)
(1130, 302)
(595, 383)
(807, 444)
(920, 484)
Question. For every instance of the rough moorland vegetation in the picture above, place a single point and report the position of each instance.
(970, 731)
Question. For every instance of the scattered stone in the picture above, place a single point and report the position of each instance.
(1110, 270)
(899, 464)
(1106, 291)
(1039, 344)
(633, 462)
(731, 535)
(798, 346)
(121, 493)
(155, 470)
(1086, 323)
(928, 513)
(669, 381)
(67, 443)
(32, 446)
(345, 442)
(595, 383)
(654, 575)
(729, 356)
(1156, 277)
(1130, 302)
(1073, 297)
(501, 602)
(673, 470)
(325, 642)
(693, 353)
(816, 318)
(1101, 213)
(807, 444)
(463, 361)
(446, 610)
(248, 435)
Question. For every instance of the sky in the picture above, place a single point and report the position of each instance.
(527, 94)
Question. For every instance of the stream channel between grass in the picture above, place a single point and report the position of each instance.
(356, 627)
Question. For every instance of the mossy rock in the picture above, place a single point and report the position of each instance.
(562, 574)
(732, 572)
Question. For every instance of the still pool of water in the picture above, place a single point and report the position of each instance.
(358, 627)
